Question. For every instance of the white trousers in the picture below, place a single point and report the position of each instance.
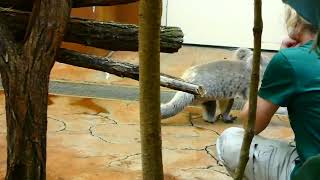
(268, 159)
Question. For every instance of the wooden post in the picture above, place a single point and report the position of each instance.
(249, 132)
(149, 81)
(25, 70)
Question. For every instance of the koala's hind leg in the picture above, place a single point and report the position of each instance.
(209, 111)
(225, 108)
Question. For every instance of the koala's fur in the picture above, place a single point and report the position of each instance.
(222, 81)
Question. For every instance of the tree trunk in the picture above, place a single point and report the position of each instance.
(25, 70)
(249, 131)
(109, 36)
(123, 70)
(27, 6)
(149, 59)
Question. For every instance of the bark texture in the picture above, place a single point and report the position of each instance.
(149, 59)
(109, 36)
(27, 6)
(25, 69)
(249, 131)
(123, 70)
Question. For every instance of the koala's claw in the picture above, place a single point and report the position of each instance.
(227, 118)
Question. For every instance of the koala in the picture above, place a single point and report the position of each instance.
(221, 80)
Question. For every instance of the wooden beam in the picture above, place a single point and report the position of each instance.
(104, 35)
(27, 6)
(122, 69)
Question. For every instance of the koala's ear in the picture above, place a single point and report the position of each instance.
(242, 53)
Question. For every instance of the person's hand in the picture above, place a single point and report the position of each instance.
(288, 42)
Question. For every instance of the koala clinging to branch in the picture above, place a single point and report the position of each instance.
(222, 81)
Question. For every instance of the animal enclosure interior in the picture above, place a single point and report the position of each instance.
(93, 116)
(94, 130)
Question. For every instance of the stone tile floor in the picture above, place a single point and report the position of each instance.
(92, 139)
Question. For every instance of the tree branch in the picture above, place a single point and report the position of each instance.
(249, 132)
(123, 70)
(27, 6)
(110, 36)
(86, 3)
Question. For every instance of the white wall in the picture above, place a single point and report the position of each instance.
(225, 22)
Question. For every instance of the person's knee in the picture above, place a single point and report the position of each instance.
(228, 147)
(232, 131)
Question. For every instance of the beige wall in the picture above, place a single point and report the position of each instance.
(225, 23)
(122, 13)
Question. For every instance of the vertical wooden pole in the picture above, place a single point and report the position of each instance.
(249, 132)
(149, 81)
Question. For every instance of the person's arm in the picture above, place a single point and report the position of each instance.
(277, 88)
(288, 43)
(265, 111)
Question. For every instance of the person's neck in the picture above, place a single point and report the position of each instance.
(306, 37)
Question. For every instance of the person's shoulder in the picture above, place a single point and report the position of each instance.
(290, 53)
(280, 58)
(279, 64)
(301, 56)
(302, 51)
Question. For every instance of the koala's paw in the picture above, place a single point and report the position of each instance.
(227, 118)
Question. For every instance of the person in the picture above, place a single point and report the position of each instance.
(309, 10)
(292, 80)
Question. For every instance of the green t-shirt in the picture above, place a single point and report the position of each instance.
(292, 80)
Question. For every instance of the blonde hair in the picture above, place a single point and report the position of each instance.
(292, 19)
